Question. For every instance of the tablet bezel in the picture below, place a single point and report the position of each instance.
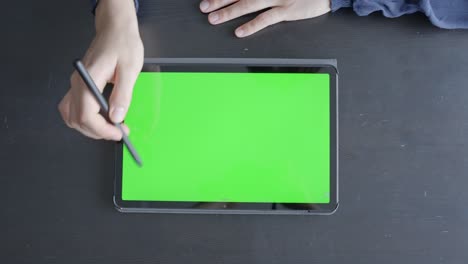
(241, 65)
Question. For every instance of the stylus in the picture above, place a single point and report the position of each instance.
(105, 107)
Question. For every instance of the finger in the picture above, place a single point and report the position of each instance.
(64, 109)
(101, 72)
(262, 21)
(86, 133)
(211, 5)
(84, 111)
(98, 127)
(122, 92)
(82, 101)
(126, 129)
(236, 10)
(88, 105)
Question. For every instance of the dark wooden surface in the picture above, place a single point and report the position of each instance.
(403, 125)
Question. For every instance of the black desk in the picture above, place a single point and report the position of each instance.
(404, 145)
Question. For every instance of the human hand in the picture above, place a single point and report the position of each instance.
(116, 56)
(278, 11)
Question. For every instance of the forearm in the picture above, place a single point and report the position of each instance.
(94, 4)
(444, 14)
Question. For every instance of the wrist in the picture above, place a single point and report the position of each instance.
(116, 3)
(115, 14)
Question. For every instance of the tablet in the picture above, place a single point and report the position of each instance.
(232, 136)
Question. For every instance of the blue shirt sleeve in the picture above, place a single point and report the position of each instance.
(448, 14)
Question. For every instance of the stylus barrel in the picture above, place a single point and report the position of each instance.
(105, 107)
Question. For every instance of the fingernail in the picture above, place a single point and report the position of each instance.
(239, 32)
(213, 17)
(204, 5)
(118, 114)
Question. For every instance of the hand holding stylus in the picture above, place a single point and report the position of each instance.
(114, 56)
(84, 74)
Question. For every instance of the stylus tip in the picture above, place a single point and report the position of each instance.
(139, 163)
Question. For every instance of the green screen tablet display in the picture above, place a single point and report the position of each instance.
(230, 137)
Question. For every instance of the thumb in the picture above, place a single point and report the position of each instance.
(122, 93)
